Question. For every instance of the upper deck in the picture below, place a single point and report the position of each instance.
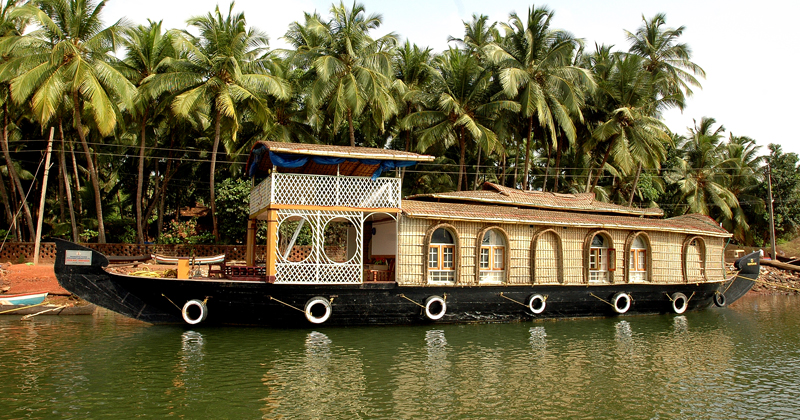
(355, 192)
(333, 177)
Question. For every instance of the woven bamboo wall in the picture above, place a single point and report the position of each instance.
(665, 257)
(547, 256)
(411, 258)
(665, 254)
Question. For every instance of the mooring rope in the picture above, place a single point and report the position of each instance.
(415, 303)
(46, 310)
(775, 285)
(284, 303)
(173, 303)
(603, 300)
(515, 301)
(687, 299)
(24, 307)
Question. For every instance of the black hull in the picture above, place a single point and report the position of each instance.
(157, 300)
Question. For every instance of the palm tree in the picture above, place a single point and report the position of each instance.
(353, 71)
(668, 62)
(221, 71)
(744, 166)
(147, 50)
(70, 56)
(537, 72)
(463, 111)
(631, 135)
(700, 173)
(11, 28)
(414, 72)
(477, 34)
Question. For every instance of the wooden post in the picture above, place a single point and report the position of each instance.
(272, 244)
(771, 215)
(41, 200)
(250, 251)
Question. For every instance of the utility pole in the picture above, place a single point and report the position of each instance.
(771, 214)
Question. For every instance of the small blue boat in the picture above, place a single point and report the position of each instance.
(23, 299)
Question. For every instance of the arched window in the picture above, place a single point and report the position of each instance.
(601, 260)
(637, 261)
(694, 260)
(441, 257)
(492, 258)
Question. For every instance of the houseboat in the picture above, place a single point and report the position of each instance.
(343, 248)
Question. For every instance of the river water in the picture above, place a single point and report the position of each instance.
(741, 362)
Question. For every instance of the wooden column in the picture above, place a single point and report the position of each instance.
(250, 253)
(272, 244)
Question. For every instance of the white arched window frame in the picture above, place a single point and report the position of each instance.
(492, 259)
(637, 261)
(601, 260)
(441, 257)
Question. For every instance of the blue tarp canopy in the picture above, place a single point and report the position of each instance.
(291, 161)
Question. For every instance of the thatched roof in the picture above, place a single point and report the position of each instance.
(498, 194)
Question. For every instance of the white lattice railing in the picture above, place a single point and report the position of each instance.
(317, 268)
(325, 190)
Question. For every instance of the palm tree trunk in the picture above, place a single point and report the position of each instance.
(477, 169)
(217, 128)
(408, 146)
(461, 171)
(167, 175)
(558, 163)
(503, 173)
(61, 210)
(528, 151)
(352, 130)
(68, 188)
(12, 172)
(635, 183)
(6, 201)
(516, 165)
(77, 178)
(139, 221)
(589, 179)
(603, 164)
(98, 203)
(547, 165)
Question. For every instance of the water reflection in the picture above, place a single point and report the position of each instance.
(736, 362)
(680, 324)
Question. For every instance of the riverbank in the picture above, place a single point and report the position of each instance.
(24, 278)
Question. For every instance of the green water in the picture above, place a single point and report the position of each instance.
(740, 362)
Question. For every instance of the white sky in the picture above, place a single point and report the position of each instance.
(728, 39)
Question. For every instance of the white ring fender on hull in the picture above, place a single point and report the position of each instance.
(679, 303)
(537, 303)
(309, 309)
(621, 297)
(188, 306)
(435, 308)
